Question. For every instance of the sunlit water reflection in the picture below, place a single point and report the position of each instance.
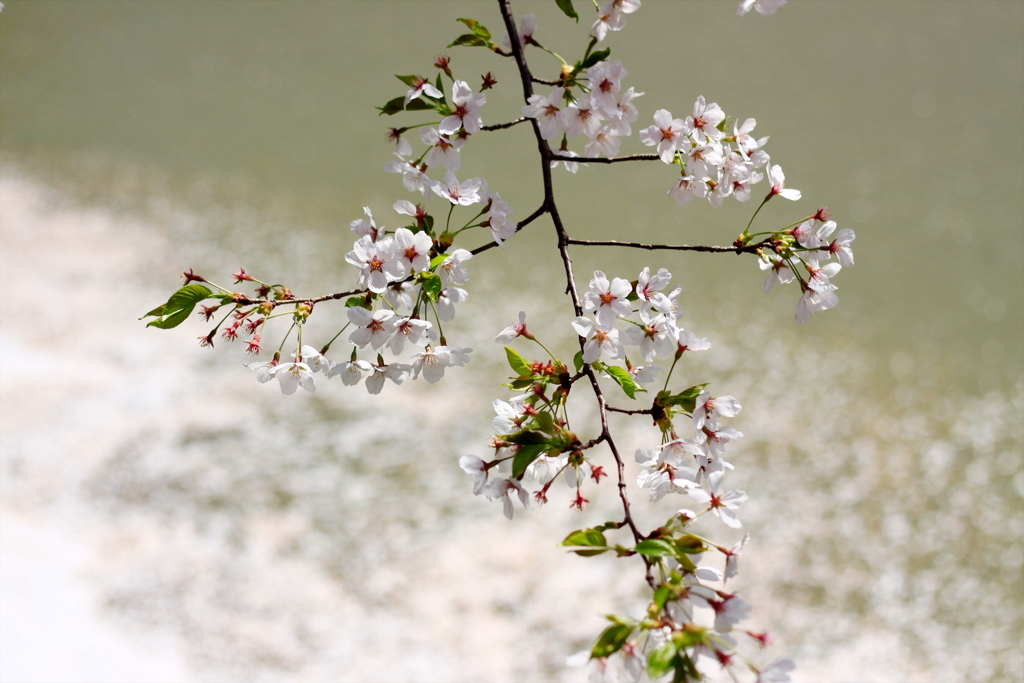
(193, 524)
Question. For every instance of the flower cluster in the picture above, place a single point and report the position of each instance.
(603, 114)
(804, 253)
(714, 164)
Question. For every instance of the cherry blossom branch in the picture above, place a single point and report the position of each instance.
(747, 248)
(648, 411)
(501, 126)
(544, 81)
(604, 160)
(563, 248)
(246, 301)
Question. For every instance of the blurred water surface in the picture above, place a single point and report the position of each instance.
(201, 526)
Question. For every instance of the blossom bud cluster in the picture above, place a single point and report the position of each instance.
(804, 253)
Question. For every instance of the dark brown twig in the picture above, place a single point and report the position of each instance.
(648, 411)
(749, 248)
(501, 126)
(563, 249)
(604, 160)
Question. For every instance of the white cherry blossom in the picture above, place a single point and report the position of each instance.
(264, 370)
(702, 125)
(778, 181)
(644, 374)
(516, 329)
(410, 330)
(730, 612)
(443, 152)
(607, 301)
(605, 81)
(373, 328)
(581, 117)
(460, 194)
(813, 301)
(780, 271)
(840, 247)
(547, 111)
(499, 489)
(351, 372)
(431, 363)
(452, 271)
(603, 143)
(776, 672)
(688, 341)
(377, 263)
(666, 133)
(599, 342)
(686, 188)
(446, 300)
(316, 361)
(293, 375)
(723, 505)
(413, 177)
(467, 106)
(609, 17)
(627, 112)
(412, 249)
(471, 464)
(744, 140)
(421, 86)
(570, 166)
(708, 408)
(762, 6)
(509, 416)
(395, 372)
(365, 226)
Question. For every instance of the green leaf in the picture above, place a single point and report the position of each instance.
(520, 384)
(179, 307)
(408, 80)
(545, 422)
(586, 537)
(656, 547)
(660, 660)
(419, 104)
(611, 640)
(529, 437)
(477, 28)
(398, 104)
(432, 285)
(471, 40)
(524, 456)
(595, 57)
(661, 596)
(577, 360)
(567, 8)
(624, 380)
(358, 302)
(438, 260)
(392, 107)
(685, 400)
(518, 363)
